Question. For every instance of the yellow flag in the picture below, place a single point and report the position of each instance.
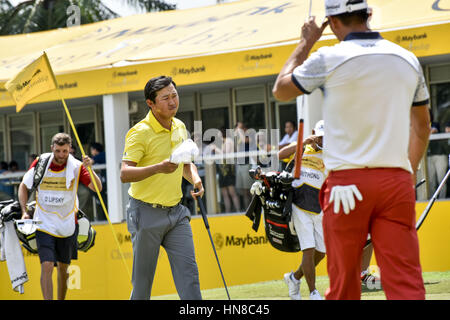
(32, 81)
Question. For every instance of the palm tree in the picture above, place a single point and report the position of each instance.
(39, 15)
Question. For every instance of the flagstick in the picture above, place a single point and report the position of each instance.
(93, 180)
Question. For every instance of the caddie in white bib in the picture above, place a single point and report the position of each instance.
(56, 198)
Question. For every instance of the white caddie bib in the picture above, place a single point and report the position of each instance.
(57, 201)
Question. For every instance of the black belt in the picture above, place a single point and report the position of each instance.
(160, 206)
(156, 205)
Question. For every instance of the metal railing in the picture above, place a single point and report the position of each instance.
(208, 164)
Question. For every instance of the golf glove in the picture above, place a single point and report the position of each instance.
(346, 196)
(185, 152)
(256, 188)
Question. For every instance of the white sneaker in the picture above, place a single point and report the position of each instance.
(293, 285)
(315, 295)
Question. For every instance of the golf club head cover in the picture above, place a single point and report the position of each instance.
(254, 212)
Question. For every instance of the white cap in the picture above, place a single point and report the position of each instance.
(335, 7)
(318, 128)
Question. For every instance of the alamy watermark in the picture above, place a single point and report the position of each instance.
(74, 279)
(73, 16)
(236, 146)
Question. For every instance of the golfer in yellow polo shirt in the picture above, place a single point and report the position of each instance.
(155, 216)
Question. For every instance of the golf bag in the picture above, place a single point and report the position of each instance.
(86, 234)
(10, 210)
(272, 196)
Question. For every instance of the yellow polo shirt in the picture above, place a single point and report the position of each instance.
(149, 143)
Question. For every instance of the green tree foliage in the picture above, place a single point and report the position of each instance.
(40, 15)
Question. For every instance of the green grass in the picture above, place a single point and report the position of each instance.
(437, 286)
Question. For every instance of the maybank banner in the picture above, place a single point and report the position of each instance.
(245, 256)
(423, 41)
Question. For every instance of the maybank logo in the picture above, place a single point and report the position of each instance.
(412, 37)
(234, 241)
(257, 57)
(187, 71)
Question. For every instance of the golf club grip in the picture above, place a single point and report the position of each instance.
(299, 150)
(420, 183)
(433, 199)
(202, 210)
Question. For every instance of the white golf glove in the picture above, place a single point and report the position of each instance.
(185, 152)
(256, 188)
(345, 195)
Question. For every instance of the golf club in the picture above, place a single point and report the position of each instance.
(205, 220)
(432, 200)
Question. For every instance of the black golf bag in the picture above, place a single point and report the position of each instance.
(10, 211)
(272, 197)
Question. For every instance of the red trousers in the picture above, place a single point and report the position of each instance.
(387, 212)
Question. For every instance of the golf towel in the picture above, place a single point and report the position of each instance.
(70, 174)
(11, 251)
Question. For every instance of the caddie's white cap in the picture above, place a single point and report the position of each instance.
(318, 128)
(335, 7)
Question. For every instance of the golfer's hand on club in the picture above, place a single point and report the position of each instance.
(345, 195)
(311, 32)
(198, 190)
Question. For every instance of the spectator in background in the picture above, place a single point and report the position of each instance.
(13, 166)
(437, 162)
(243, 180)
(6, 189)
(227, 173)
(3, 166)
(262, 145)
(98, 153)
(98, 156)
(73, 152)
(290, 129)
(187, 200)
(84, 194)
